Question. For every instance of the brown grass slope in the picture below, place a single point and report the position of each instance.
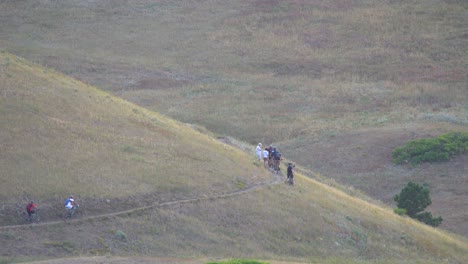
(50, 121)
(59, 136)
(337, 83)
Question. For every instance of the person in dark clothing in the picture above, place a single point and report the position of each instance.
(290, 174)
(270, 155)
(276, 160)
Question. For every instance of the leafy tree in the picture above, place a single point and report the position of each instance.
(413, 199)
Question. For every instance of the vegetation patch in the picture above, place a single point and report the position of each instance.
(63, 245)
(436, 149)
(119, 234)
(102, 248)
(6, 260)
(239, 261)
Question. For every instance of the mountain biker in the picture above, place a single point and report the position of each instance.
(290, 174)
(31, 209)
(71, 205)
(276, 159)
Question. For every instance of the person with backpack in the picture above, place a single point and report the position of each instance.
(290, 174)
(276, 160)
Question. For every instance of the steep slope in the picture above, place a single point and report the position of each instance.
(48, 119)
(61, 136)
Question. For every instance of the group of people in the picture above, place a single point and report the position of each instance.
(271, 158)
(70, 206)
(270, 155)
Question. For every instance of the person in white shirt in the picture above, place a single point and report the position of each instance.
(265, 157)
(259, 151)
(70, 202)
(71, 206)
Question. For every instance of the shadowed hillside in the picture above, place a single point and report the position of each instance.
(49, 119)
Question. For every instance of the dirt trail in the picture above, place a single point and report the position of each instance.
(276, 179)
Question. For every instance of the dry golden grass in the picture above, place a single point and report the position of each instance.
(59, 127)
(310, 222)
(330, 69)
(324, 66)
(60, 136)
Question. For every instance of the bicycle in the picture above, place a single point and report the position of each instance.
(34, 218)
(69, 213)
(276, 165)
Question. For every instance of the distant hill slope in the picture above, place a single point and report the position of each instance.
(60, 136)
(62, 130)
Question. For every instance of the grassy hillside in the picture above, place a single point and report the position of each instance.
(332, 65)
(336, 84)
(310, 222)
(60, 136)
(56, 127)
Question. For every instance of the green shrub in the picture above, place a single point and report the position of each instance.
(400, 211)
(427, 218)
(436, 149)
(120, 235)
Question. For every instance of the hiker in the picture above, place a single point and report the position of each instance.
(31, 209)
(259, 151)
(290, 175)
(266, 154)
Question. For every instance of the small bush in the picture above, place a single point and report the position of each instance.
(400, 211)
(427, 218)
(120, 235)
(436, 149)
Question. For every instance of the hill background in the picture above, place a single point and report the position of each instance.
(336, 85)
(194, 212)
